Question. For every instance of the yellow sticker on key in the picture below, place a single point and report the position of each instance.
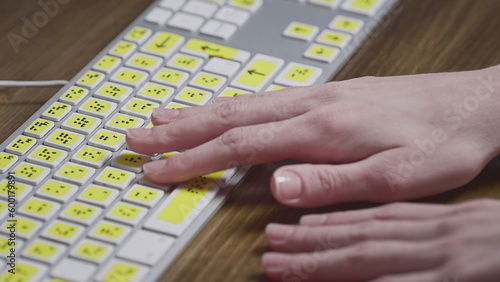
(107, 63)
(256, 73)
(121, 272)
(55, 188)
(62, 230)
(129, 76)
(74, 95)
(64, 138)
(156, 91)
(211, 49)
(364, 4)
(91, 154)
(24, 226)
(108, 138)
(79, 211)
(73, 171)
(47, 154)
(137, 33)
(125, 211)
(108, 230)
(41, 249)
(301, 29)
(131, 159)
(140, 106)
(115, 176)
(143, 61)
(39, 128)
(170, 75)
(57, 111)
(298, 73)
(24, 273)
(163, 42)
(123, 48)
(96, 193)
(97, 106)
(6, 160)
(21, 145)
(123, 121)
(112, 90)
(193, 95)
(91, 78)
(29, 171)
(91, 251)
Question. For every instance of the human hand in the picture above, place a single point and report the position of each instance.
(392, 138)
(399, 242)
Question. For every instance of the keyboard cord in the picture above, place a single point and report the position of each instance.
(16, 83)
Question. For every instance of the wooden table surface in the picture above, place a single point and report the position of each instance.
(419, 37)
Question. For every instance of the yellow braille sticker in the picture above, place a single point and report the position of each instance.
(39, 127)
(79, 211)
(24, 273)
(129, 76)
(57, 111)
(140, 106)
(232, 93)
(107, 137)
(91, 79)
(47, 154)
(175, 106)
(4, 188)
(320, 50)
(157, 92)
(131, 159)
(81, 123)
(96, 193)
(364, 4)
(332, 37)
(125, 211)
(207, 80)
(143, 194)
(170, 76)
(97, 106)
(107, 63)
(112, 90)
(6, 160)
(143, 61)
(91, 154)
(21, 144)
(163, 42)
(108, 230)
(123, 48)
(55, 188)
(346, 24)
(73, 172)
(123, 121)
(211, 49)
(64, 138)
(91, 251)
(24, 226)
(62, 230)
(121, 272)
(257, 72)
(37, 207)
(301, 29)
(114, 176)
(6, 245)
(41, 249)
(29, 171)
(137, 33)
(193, 95)
(298, 73)
(186, 62)
(74, 95)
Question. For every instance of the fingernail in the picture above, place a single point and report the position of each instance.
(278, 234)
(165, 113)
(313, 219)
(154, 167)
(288, 185)
(138, 132)
(275, 262)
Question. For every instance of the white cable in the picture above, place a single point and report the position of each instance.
(14, 83)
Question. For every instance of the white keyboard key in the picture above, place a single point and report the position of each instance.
(57, 191)
(39, 128)
(144, 62)
(30, 173)
(74, 173)
(295, 74)
(63, 231)
(92, 251)
(74, 270)
(158, 16)
(126, 213)
(322, 53)
(334, 38)
(204, 9)
(122, 122)
(110, 232)
(223, 67)
(25, 227)
(113, 92)
(207, 81)
(121, 270)
(40, 209)
(171, 77)
(140, 108)
(114, 177)
(301, 31)
(108, 140)
(21, 145)
(184, 62)
(193, 96)
(182, 206)
(26, 270)
(156, 92)
(186, 22)
(91, 156)
(130, 77)
(64, 140)
(173, 5)
(163, 44)
(218, 29)
(79, 123)
(44, 251)
(326, 3)
(81, 213)
(138, 34)
(47, 156)
(250, 5)
(97, 108)
(258, 72)
(143, 195)
(206, 49)
(365, 7)
(347, 24)
(146, 247)
(98, 195)
(130, 161)
(17, 190)
(232, 15)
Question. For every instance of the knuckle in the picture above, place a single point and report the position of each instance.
(361, 232)
(227, 113)
(360, 253)
(183, 161)
(232, 139)
(329, 182)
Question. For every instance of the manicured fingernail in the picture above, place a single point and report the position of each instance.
(154, 167)
(275, 262)
(313, 219)
(278, 233)
(288, 185)
(165, 113)
(138, 132)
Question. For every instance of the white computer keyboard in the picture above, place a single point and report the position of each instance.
(75, 205)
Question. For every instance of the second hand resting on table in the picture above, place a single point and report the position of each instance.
(391, 139)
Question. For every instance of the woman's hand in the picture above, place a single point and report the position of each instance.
(398, 242)
(390, 138)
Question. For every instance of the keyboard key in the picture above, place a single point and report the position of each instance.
(81, 213)
(73, 96)
(39, 209)
(17, 190)
(64, 140)
(7, 161)
(365, 7)
(144, 62)
(129, 77)
(208, 81)
(6, 245)
(4, 211)
(218, 29)
(206, 49)
(171, 77)
(347, 24)
(232, 92)
(140, 108)
(182, 206)
(30, 173)
(326, 3)
(143, 195)
(62, 231)
(193, 96)
(138, 34)
(185, 63)
(173, 5)
(301, 31)
(98, 195)
(223, 67)
(91, 79)
(110, 232)
(146, 247)
(81, 123)
(74, 173)
(113, 92)
(121, 122)
(173, 105)
(115, 178)
(39, 128)
(155, 92)
(57, 111)
(74, 270)
(250, 5)
(130, 161)
(126, 213)
(57, 191)
(21, 145)
(232, 15)
(163, 44)
(25, 227)
(107, 64)
(186, 22)
(274, 87)
(47, 156)
(295, 74)
(199, 8)
(91, 156)
(158, 16)
(108, 140)
(123, 49)
(322, 53)
(120, 270)
(97, 108)
(258, 72)
(334, 38)
(92, 251)
(44, 251)
(25, 271)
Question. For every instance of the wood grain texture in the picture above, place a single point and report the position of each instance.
(418, 37)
